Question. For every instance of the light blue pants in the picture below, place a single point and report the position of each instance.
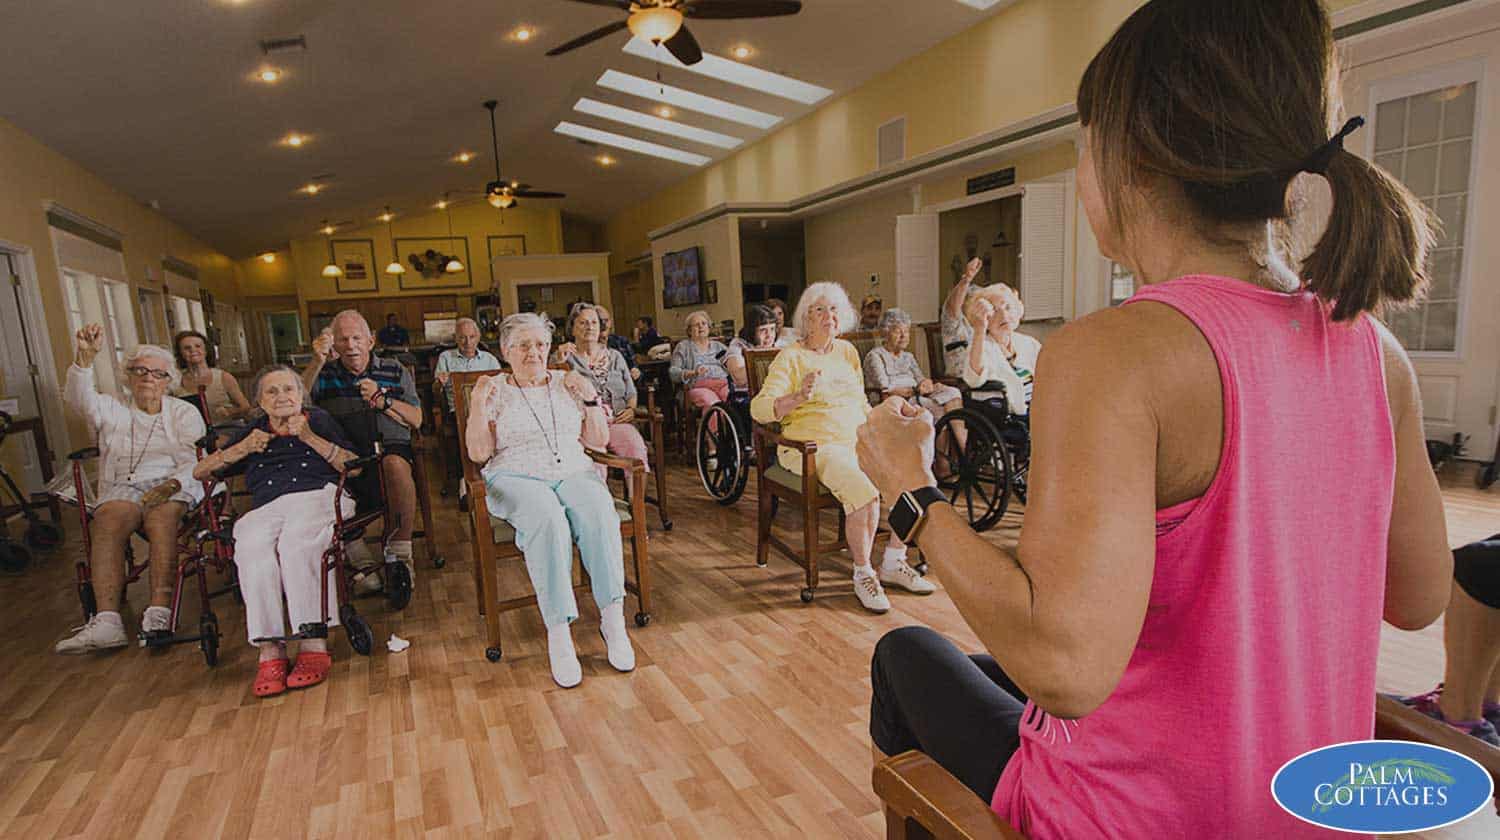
(549, 516)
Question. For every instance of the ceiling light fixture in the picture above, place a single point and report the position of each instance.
(327, 229)
(605, 160)
(635, 118)
(735, 73)
(295, 140)
(311, 189)
(686, 99)
(742, 52)
(395, 268)
(454, 265)
(332, 270)
(665, 113)
(463, 157)
(522, 34)
(655, 24)
(269, 75)
(442, 205)
(268, 257)
(630, 144)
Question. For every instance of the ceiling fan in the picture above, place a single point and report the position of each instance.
(502, 193)
(661, 21)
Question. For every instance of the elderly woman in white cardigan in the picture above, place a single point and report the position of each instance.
(146, 448)
(999, 353)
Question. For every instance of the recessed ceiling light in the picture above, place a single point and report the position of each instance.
(742, 52)
(979, 4)
(686, 99)
(269, 75)
(386, 216)
(311, 189)
(523, 34)
(327, 230)
(725, 70)
(268, 257)
(295, 140)
(665, 113)
(463, 157)
(657, 124)
(441, 205)
(605, 160)
(630, 144)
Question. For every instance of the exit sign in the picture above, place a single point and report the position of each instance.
(992, 181)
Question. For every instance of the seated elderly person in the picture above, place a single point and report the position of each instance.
(999, 353)
(698, 363)
(465, 357)
(894, 370)
(290, 457)
(815, 391)
(784, 334)
(759, 333)
(609, 372)
(954, 327)
(345, 379)
(529, 428)
(146, 460)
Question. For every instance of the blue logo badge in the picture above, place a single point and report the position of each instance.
(1382, 787)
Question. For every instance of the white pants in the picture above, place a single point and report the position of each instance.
(278, 548)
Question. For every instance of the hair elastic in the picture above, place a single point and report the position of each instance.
(1318, 162)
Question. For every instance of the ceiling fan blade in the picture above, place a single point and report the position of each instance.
(734, 9)
(538, 194)
(684, 47)
(622, 5)
(583, 40)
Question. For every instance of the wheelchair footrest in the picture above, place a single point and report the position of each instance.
(312, 630)
(157, 639)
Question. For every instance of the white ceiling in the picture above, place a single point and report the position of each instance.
(155, 96)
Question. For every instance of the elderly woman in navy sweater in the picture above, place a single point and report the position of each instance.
(290, 457)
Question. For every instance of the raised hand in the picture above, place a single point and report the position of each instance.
(972, 270)
(482, 396)
(296, 426)
(369, 389)
(885, 450)
(984, 312)
(323, 345)
(87, 344)
(579, 386)
(256, 441)
(809, 382)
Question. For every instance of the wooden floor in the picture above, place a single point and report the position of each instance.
(746, 716)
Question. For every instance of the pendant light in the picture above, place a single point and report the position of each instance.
(332, 270)
(455, 265)
(395, 269)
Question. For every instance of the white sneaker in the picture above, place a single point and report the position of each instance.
(907, 578)
(871, 595)
(104, 631)
(366, 570)
(367, 582)
(566, 671)
(616, 640)
(156, 620)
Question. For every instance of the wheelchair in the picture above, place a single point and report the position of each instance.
(980, 476)
(725, 448)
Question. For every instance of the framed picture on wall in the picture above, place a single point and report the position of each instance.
(357, 258)
(504, 246)
(426, 259)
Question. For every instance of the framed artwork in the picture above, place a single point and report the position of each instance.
(504, 246)
(357, 258)
(425, 258)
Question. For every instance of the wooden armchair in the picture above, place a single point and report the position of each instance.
(924, 800)
(805, 493)
(935, 356)
(651, 424)
(493, 540)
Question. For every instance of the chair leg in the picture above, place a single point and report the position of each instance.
(810, 547)
(763, 531)
(638, 549)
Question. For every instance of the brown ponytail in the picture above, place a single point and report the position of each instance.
(1227, 101)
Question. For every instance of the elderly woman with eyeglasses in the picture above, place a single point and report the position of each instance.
(698, 363)
(894, 370)
(146, 453)
(999, 353)
(610, 373)
(530, 429)
(815, 391)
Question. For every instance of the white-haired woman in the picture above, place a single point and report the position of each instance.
(290, 457)
(146, 455)
(529, 428)
(999, 353)
(815, 391)
(894, 370)
(698, 363)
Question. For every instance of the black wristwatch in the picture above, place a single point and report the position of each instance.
(594, 403)
(387, 405)
(910, 512)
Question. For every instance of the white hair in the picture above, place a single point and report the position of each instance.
(158, 352)
(348, 314)
(522, 322)
(470, 321)
(892, 318)
(700, 313)
(833, 294)
(996, 293)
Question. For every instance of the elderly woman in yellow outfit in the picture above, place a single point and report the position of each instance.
(815, 390)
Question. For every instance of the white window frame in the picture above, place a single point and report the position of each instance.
(1444, 76)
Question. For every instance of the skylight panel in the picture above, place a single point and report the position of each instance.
(735, 73)
(686, 99)
(630, 144)
(657, 124)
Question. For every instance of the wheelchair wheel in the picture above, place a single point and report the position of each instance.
(87, 599)
(208, 638)
(722, 465)
(43, 536)
(397, 585)
(14, 558)
(976, 477)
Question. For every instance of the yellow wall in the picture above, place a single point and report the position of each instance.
(261, 279)
(719, 240)
(551, 269)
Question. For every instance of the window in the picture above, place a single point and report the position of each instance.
(151, 313)
(1426, 139)
(97, 300)
(1121, 284)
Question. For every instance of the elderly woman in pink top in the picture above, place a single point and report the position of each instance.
(1229, 486)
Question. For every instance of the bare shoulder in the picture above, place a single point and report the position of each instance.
(1120, 337)
(1400, 377)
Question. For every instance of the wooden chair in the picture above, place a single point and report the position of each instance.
(492, 539)
(864, 341)
(651, 424)
(804, 493)
(924, 800)
(935, 356)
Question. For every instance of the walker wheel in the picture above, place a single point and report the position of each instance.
(358, 631)
(666, 524)
(43, 536)
(439, 561)
(208, 641)
(86, 598)
(397, 585)
(642, 619)
(492, 654)
(921, 568)
(1486, 475)
(807, 596)
(14, 558)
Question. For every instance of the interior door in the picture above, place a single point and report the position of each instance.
(20, 373)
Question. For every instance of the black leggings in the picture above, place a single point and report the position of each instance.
(1476, 567)
(961, 710)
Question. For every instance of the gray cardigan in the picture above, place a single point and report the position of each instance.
(686, 358)
(614, 384)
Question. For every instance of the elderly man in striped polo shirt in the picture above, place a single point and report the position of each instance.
(346, 379)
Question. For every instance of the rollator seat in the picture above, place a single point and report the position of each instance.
(506, 534)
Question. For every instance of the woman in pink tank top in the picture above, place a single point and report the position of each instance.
(1229, 489)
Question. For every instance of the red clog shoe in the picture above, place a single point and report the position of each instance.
(312, 668)
(270, 677)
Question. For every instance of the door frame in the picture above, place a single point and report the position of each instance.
(34, 317)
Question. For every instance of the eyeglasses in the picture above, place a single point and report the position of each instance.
(158, 375)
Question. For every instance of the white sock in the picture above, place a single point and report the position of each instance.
(893, 559)
(399, 548)
(865, 570)
(110, 617)
(566, 671)
(616, 641)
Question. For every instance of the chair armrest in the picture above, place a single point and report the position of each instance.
(772, 434)
(616, 461)
(1397, 722)
(914, 787)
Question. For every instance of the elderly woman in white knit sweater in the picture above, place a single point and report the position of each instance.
(999, 353)
(146, 454)
(529, 429)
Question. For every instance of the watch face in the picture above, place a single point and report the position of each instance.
(904, 516)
